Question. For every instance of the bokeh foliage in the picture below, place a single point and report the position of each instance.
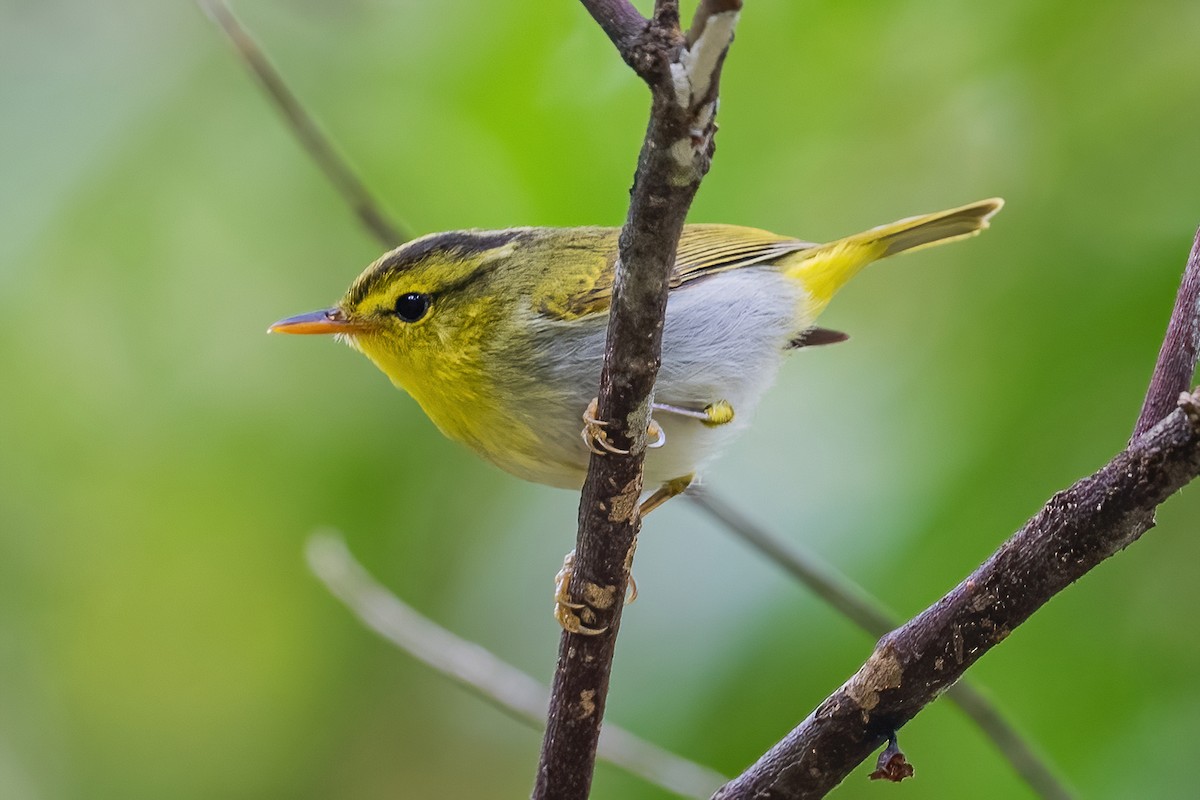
(163, 460)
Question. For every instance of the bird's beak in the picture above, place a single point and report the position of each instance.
(329, 320)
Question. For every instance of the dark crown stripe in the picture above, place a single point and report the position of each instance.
(462, 244)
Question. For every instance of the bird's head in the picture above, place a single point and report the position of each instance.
(424, 309)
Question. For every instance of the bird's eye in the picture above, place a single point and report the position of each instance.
(412, 306)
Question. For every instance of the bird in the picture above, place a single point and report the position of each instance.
(499, 335)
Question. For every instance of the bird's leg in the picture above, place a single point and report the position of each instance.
(718, 412)
(566, 610)
(672, 488)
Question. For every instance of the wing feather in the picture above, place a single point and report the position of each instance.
(707, 249)
(703, 250)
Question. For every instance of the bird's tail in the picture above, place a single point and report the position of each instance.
(826, 268)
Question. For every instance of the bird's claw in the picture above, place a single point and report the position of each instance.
(594, 435)
(565, 607)
(655, 430)
(596, 438)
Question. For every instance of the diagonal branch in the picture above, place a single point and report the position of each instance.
(675, 156)
(854, 603)
(619, 20)
(304, 127)
(1076, 530)
(481, 672)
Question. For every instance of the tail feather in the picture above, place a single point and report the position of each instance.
(826, 268)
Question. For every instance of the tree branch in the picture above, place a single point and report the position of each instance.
(304, 127)
(1076, 530)
(481, 672)
(854, 603)
(675, 156)
(619, 20)
(1177, 358)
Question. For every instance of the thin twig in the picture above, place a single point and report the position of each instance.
(483, 673)
(1176, 362)
(304, 127)
(857, 605)
(837, 590)
(675, 156)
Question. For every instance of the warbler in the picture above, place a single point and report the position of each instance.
(499, 334)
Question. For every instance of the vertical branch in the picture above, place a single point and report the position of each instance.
(1177, 357)
(675, 156)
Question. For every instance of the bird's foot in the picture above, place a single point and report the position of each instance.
(655, 430)
(568, 612)
(718, 412)
(593, 433)
(596, 438)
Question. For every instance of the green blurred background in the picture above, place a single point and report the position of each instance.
(164, 460)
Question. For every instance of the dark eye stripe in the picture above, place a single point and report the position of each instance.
(412, 306)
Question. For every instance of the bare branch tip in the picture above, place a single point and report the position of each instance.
(706, 12)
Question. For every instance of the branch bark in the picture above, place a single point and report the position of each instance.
(675, 156)
(623, 23)
(1076, 530)
(857, 605)
(1177, 357)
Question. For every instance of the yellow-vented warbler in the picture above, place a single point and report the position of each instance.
(499, 335)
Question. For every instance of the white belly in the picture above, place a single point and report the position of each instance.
(724, 339)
